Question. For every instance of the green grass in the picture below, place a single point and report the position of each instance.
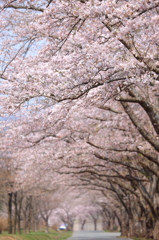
(111, 231)
(135, 238)
(37, 236)
(140, 238)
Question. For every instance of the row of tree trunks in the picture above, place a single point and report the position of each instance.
(21, 209)
(136, 214)
(130, 227)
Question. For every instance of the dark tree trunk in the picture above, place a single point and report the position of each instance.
(119, 221)
(95, 224)
(156, 230)
(83, 223)
(131, 232)
(112, 223)
(10, 224)
(19, 213)
(15, 212)
(124, 227)
(30, 214)
(25, 222)
(46, 226)
(19, 225)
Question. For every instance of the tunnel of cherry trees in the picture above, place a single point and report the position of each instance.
(79, 114)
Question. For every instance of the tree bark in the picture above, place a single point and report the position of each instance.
(83, 223)
(25, 223)
(124, 226)
(148, 136)
(112, 223)
(46, 226)
(20, 199)
(95, 224)
(156, 230)
(30, 214)
(15, 212)
(10, 224)
(131, 232)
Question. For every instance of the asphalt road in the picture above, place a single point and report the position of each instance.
(94, 235)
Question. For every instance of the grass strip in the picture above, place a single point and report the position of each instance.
(37, 236)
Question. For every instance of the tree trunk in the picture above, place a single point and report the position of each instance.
(83, 223)
(119, 221)
(124, 228)
(19, 227)
(47, 227)
(95, 224)
(131, 232)
(156, 230)
(30, 214)
(143, 231)
(15, 212)
(112, 223)
(36, 224)
(10, 225)
(25, 223)
(19, 213)
(34, 215)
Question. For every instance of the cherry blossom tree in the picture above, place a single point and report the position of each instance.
(81, 81)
